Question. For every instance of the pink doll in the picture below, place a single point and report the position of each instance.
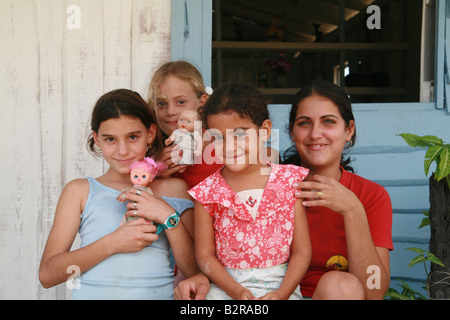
(142, 172)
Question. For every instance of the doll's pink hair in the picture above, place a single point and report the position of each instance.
(154, 168)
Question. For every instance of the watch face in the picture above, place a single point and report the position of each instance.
(172, 221)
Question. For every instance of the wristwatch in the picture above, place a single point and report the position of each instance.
(171, 222)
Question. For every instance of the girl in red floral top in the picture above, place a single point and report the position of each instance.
(251, 233)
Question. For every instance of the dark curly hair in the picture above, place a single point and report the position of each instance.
(246, 100)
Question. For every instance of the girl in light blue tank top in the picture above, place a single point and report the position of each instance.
(117, 261)
(146, 274)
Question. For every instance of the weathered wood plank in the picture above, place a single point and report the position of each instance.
(20, 148)
(409, 197)
(405, 228)
(150, 41)
(50, 26)
(83, 84)
(117, 44)
(402, 167)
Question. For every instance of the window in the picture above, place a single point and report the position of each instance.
(382, 51)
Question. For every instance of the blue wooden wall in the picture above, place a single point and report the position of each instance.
(379, 153)
(383, 157)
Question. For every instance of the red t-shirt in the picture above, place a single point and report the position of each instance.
(194, 174)
(327, 232)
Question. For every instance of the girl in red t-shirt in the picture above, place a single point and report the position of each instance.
(350, 218)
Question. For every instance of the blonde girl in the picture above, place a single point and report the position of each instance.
(175, 87)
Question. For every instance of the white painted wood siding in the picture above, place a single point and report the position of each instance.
(50, 78)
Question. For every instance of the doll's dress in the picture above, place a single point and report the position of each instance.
(126, 219)
(187, 142)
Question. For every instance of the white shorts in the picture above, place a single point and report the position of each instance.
(259, 281)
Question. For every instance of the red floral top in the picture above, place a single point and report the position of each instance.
(241, 241)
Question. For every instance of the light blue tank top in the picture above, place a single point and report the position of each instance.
(146, 274)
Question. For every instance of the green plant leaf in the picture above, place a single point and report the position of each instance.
(416, 141)
(443, 164)
(434, 259)
(425, 222)
(432, 154)
(413, 140)
(392, 295)
(448, 163)
(432, 140)
(403, 284)
(416, 260)
(406, 294)
(418, 250)
(395, 295)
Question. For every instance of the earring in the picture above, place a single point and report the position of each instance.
(348, 144)
(98, 149)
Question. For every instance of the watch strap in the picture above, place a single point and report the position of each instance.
(166, 224)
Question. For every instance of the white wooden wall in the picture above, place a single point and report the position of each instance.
(53, 68)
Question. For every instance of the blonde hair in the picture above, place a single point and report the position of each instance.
(180, 69)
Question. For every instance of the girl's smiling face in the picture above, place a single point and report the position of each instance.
(237, 140)
(320, 133)
(176, 95)
(123, 141)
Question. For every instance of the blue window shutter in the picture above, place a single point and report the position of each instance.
(441, 48)
(446, 80)
(192, 34)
